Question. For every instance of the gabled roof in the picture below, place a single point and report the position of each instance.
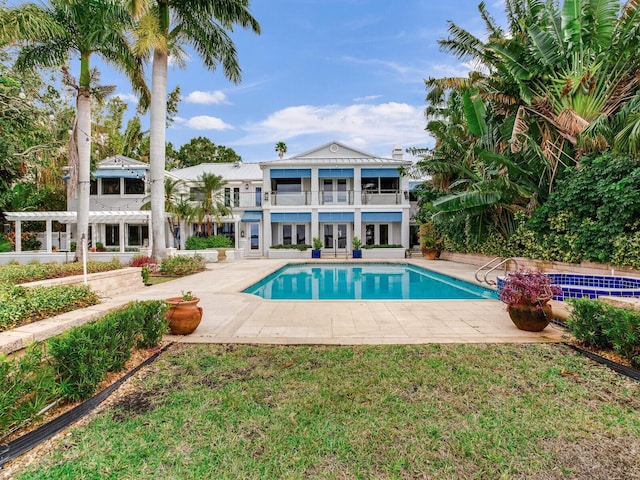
(230, 171)
(335, 153)
(120, 161)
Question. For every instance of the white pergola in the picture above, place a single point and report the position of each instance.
(119, 217)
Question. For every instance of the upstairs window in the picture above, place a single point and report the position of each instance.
(133, 186)
(111, 186)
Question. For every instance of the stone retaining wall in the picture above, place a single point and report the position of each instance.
(105, 284)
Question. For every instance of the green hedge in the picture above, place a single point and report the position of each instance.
(43, 271)
(212, 241)
(390, 245)
(72, 365)
(21, 305)
(182, 265)
(301, 247)
(607, 327)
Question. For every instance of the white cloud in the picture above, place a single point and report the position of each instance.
(369, 127)
(205, 122)
(127, 97)
(367, 98)
(207, 98)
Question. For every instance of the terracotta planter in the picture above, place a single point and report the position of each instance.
(531, 317)
(184, 315)
(430, 254)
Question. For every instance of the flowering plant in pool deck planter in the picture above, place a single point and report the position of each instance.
(526, 293)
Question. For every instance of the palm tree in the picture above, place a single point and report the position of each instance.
(49, 35)
(281, 149)
(202, 24)
(212, 205)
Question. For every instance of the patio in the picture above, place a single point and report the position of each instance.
(234, 317)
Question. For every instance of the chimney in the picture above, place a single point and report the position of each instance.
(396, 154)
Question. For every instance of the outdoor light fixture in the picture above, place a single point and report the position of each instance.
(266, 196)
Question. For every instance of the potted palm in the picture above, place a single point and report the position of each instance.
(527, 293)
(357, 244)
(317, 246)
(429, 240)
(184, 314)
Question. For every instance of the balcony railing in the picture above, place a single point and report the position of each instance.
(335, 197)
(291, 198)
(382, 197)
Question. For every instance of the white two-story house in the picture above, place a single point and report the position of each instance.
(333, 192)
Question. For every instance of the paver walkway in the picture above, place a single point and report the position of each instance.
(234, 317)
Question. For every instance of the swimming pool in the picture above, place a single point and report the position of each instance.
(364, 281)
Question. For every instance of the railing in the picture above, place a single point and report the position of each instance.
(382, 197)
(291, 198)
(335, 197)
(493, 265)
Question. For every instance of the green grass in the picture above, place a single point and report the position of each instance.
(434, 411)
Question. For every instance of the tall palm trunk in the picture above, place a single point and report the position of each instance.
(157, 151)
(83, 141)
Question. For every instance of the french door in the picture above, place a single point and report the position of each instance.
(335, 236)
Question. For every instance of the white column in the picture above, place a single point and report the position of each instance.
(357, 223)
(47, 236)
(122, 236)
(405, 228)
(18, 229)
(357, 186)
(266, 227)
(315, 187)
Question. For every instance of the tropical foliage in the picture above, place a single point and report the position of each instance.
(558, 82)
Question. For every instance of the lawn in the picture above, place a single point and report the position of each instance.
(428, 411)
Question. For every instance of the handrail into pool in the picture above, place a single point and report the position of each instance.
(504, 262)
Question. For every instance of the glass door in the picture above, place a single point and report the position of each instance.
(335, 236)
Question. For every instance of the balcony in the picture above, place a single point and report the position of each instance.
(291, 198)
(335, 197)
(382, 197)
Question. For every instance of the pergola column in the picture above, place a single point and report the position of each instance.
(18, 229)
(121, 235)
(47, 236)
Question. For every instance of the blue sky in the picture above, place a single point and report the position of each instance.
(322, 70)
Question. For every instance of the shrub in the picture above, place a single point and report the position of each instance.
(213, 241)
(601, 325)
(301, 247)
(384, 245)
(42, 271)
(5, 245)
(82, 356)
(73, 364)
(21, 305)
(27, 384)
(179, 266)
(140, 261)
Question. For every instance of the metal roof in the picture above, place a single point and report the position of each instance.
(115, 216)
(237, 171)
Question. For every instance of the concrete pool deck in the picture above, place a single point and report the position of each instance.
(234, 317)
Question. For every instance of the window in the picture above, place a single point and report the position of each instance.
(258, 196)
(286, 234)
(138, 235)
(93, 187)
(236, 197)
(384, 234)
(388, 185)
(255, 236)
(196, 194)
(111, 186)
(301, 234)
(227, 197)
(286, 185)
(112, 234)
(370, 235)
(133, 186)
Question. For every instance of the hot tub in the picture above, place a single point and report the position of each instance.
(578, 285)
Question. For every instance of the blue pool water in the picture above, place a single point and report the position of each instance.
(364, 281)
